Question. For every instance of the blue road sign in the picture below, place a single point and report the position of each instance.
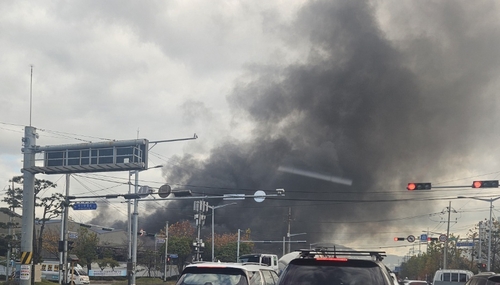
(423, 237)
(467, 243)
(85, 206)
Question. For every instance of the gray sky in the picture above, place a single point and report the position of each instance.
(381, 92)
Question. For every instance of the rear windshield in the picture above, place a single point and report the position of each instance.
(313, 272)
(248, 258)
(212, 276)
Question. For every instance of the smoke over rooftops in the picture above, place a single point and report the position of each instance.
(360, 106)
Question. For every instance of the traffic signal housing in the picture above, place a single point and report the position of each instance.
(485, 184)
(419, 186)
(399, 239)
(70, 245)
(432, 239)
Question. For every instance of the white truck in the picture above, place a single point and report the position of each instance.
(270, 260)
(76, 274)
(451, 277)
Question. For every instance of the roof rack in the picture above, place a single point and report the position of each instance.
(310, 253)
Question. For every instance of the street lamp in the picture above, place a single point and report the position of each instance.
(134, 226)
(491, 200)
(213, 215)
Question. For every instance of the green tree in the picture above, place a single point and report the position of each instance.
(13, 198)
(226, 247)
(180, 238)
(51, 208)
(86, 247)
(108, 261)
(148, 258)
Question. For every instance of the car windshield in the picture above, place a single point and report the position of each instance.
(212, 276)
(313, 272)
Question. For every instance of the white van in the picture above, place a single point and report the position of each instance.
(451, 277)
(76, 275)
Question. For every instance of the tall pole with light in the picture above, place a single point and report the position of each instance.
(213, 231)
(135, 226)
(486, 184)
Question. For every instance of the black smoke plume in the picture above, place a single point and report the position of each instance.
(360, 105)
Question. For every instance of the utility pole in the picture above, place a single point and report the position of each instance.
(480, 235)
(289, 224)
(166, 252)
(200, 207)
(129, 230)
(134, 229)
(447, 237)
(63, 255)
(9, 246)
(28, 221)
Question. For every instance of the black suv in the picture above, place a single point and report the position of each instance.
(336, 267)
(484, 278)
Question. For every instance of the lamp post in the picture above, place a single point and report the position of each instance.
(133, 250)
(491, 200)
(213, 231)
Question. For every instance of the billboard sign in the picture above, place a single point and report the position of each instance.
(94, 157)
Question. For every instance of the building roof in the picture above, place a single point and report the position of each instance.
(9, 212)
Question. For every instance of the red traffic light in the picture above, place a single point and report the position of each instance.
(399, 239)
(419, 186)
(485, 184)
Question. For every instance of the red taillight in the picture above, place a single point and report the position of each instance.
(331, 259)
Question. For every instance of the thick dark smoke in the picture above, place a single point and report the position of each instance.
(360, 106)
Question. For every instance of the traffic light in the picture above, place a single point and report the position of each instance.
(432, 239)
(399, 239)
(60, 246)
(481, 265)
(419, 186)
(485, 184)
(70, 245)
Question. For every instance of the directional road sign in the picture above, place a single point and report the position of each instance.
(423, 237)
(85, 206)
(466, 243)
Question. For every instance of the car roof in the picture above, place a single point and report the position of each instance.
(248, 266)
(334, 253)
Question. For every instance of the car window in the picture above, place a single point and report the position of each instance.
(212, 276)
(268, 278)
(494, 280)
(256, 279)
(326, 273)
